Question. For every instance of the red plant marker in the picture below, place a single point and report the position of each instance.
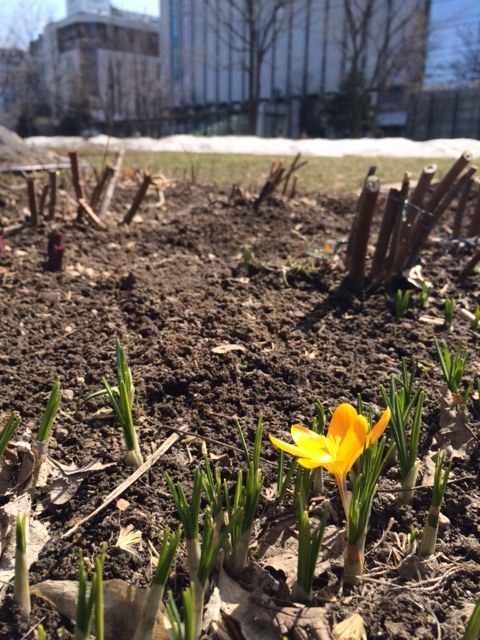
(55, 252)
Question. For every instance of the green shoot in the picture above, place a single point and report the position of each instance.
(453, 367)
(88, 600)
(121, 400)
(245, 501)
(53, 405)
(168, 548)
(40, 446)
(308, 552)
(476, 318)
(21, 589)
(472, 632)
(189, 515)
(182, 630)
(283, 481)
(424, 295)
(8, 431)
(401, 404)
(364, 489)
(40, 633)
(247, 255)
(448, 316)
(430, 532)
(402, 300)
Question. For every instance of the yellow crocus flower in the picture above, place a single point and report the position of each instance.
(337, 451)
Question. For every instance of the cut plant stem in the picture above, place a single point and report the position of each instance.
(21, 589)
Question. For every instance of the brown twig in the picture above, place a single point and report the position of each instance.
(111, 184)
(139, 196)
(386, 227)
(391, 260)
(43, 199)
(469, 267)
(86, 208)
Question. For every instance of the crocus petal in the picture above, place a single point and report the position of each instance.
(310, 463)
(288, 448)
(342, 418)
(379, 428)
(353, 443)
(302, 433)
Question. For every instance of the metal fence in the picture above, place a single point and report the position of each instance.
(452, 113)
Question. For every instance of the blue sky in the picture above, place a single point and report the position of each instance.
(449, 18)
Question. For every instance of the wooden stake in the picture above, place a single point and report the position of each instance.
(462, 203)
(361, 232)
(474, 226)
(43, 198)
(52, 177)
(32, 204)
(426, 219)
(391, 261)
(137, 201)
(97, 192)
(77, 181)
(414, 204)
(388, 221)
(469, 267)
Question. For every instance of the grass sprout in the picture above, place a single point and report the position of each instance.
(21, 589)
(452, 365)
(8, 431)
(476, 318)
(309, 546)
(430, 531)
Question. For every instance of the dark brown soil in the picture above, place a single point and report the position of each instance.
(172, 287)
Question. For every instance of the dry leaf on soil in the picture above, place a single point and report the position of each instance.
(226, 348)
(123, 606)
(64, 487)
(350, 629)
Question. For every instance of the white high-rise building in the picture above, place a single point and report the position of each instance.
(205, 64)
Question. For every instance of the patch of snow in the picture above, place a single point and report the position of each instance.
(320, 147)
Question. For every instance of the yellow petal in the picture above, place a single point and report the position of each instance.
(309, 440)
(342, 419)
(379, 428)
(302, 433)
(353, 443)
(288, 448)
(310, 463)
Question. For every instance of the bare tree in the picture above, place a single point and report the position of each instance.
(466, 66)
(251, 28)
(384, 43)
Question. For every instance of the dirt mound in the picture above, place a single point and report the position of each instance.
(14, 151)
